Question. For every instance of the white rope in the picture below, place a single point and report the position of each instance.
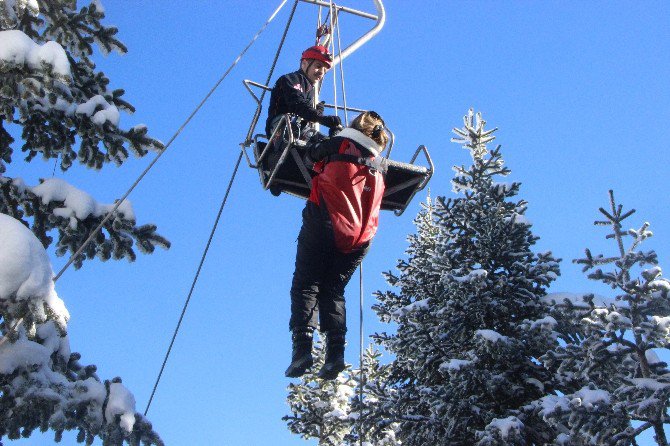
(344, 92)
(335, 24)
(360, 358)
(332, 45)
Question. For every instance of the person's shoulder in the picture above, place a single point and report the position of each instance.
(295, 76)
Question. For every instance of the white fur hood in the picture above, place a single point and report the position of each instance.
(361, 139)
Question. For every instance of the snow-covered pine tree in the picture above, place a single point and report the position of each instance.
(370, 425)
(52, 95)
(471, 325)
(42, 384)
(613, 385)
(331, 411)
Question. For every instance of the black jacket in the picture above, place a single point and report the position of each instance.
(293, 93)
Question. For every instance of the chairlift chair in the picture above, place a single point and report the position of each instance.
(285, 170)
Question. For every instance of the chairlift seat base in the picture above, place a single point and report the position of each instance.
(403, 180)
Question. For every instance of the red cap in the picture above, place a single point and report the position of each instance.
(318, 52)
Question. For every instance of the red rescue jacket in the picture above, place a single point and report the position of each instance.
(350, 184)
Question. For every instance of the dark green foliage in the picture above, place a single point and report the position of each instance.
(70, 118)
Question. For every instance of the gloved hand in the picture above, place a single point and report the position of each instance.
(319, 107)
(330, 121)
(334, 131)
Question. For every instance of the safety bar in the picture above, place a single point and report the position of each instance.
(249, 83)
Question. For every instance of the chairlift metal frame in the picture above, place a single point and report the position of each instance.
(403, 180)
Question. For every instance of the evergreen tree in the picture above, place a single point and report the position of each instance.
(614, 386)
(51, 92)
(471, 325)
(370, 425)
(54, 101)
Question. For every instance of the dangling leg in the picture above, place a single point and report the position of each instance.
(334, 363)
(309, 267)
(333, 310)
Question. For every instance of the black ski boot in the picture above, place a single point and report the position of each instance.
(301, 359)
(334, 363)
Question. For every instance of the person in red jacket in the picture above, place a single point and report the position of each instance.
(339, 221)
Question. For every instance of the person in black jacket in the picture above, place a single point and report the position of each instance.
(338, 223)
(294, 92)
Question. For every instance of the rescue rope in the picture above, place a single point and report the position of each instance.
(335, 24)
(331, 15)
(223, 203)
(344, 91)
(360, 358)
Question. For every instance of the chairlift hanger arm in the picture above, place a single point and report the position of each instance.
(380, 18)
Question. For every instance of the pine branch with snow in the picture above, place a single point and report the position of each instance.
(320, 408)
(374, 416)
(614, 385)
(43, 384)
(331, 411)
(52, 96)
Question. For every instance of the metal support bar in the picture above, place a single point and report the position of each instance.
(431, 167)
(249, 83)
(401, 186)
(342, 8)
(380, 19)
(285, 152)
(392, 138)
(301, 165)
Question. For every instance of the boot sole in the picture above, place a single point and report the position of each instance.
(330, 374)
(298, 369)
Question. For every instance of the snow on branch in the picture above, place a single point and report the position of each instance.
(473, 136)
(42, 382)
(17, 49)
(76, 204)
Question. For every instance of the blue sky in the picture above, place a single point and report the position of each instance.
(579, 91)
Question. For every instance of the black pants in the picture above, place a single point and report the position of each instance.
(321, 274)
